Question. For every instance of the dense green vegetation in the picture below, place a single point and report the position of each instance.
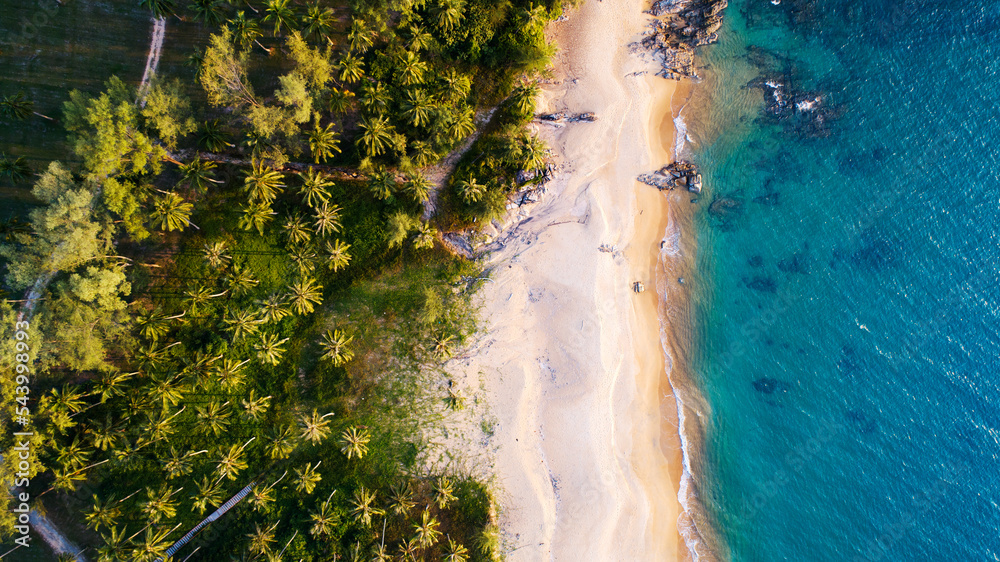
(229, 281)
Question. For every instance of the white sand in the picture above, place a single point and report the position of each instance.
(571, 361)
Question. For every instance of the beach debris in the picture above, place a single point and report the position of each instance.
(676, 174)
(587, 117)
(638, 287)
(607, 248)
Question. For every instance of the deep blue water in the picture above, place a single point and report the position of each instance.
(847, 330)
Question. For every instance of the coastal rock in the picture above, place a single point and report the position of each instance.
(586, 117)
(685, 24)
(676, 174)
(552, 116)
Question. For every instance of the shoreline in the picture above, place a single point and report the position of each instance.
(585, 444)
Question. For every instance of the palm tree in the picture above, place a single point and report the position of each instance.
(230, 372)
(281, 442)
(524, 97)
(177, 465)
(198, 173)
(261, 496)
(461, 124)
(159, 505)
(115, 546)
(306, 478)
(360, 37)
(418, 186)
(427, 530)
(318, 21)
(241, 280)
(423, 153)
(16, 169)
(382, 185)
(420, 40)
(214, 417)
(380, 554)
(273, 308)
(297, 230)
(160, 8)
(456, 552)
(340, 100)
(337, 255)
(209, 494)
(19, 107)
(242, 323)
(304, 258)
(375, 97)
(448, 13)
(152, 324)
(411, 69)
(315, 428)
(281, 14)
(418, 108)
(208, 11)
(470, 190)
(408, 550)
(327, 219)
(261, 538)
(444, 492)
(269, 349)
(336, 347)
(246, 31)
(103, 513)
(254, 407)
(171, 212)
(256, 216)
(262, 183)
(455, 86)
(532, 153)
(364, 509)
(104, 436)
(212, 137)
(232, 462)
(198, 296)
(314, 187)
(324, 519)
(305, 295)
(351, 69)
(426, 234)
(323, 142)
(153, 546)
(377, 135)
(401, 499)
(354, 442)
(216, 254)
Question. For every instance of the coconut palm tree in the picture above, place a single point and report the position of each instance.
(19, 107)
(194, 298)
(426, 234)
(256, 216)
(171, 212)
(281, 14)
(229, 372)
(281, 442)
(232, 462)
(261, 538)
(336, 347)
(160, 8)
(427, 532)
(364, 506)
(15, 169)
(242, 323)
(419, 40)
(318, 21)
(159, 504)
(411, 69)
(112, 384)
(409, 550)
(471, 190)
(418, 108)
(212, 137)
(306, 478)
(209, 494)
(327, 219)
(314, 187)
(305, 259)
(418, 186)
(377, 135)
(216, 254)
(461, 124)
(273, 308)
(198, 174)
(382, 185)
(177, 464)
(246, 31)
(269, 349)
(380, 554)
(424, 153)
(324, 519)
(297, 229)
(337, 255)
(103, 513)
(360, 38)
(104, 436)
(354, 442)
(261, 496)
(323, 142)
(340, 100)
(208, 11)
(532, 153)
(167, 390)
(447, 14)
(401, 498)
(153, 546)
(214, 417)
(375, 97)
(454, 86)
(524, 97)
(304, 295)
(455, 552)
(241, 280)
(115, 546)
(444, 492)
(262, 183)
(352, 70)
(314, 427)
(255, 407)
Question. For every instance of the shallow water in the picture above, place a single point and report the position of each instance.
(847, 334)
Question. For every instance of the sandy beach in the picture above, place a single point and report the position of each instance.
(586, 450)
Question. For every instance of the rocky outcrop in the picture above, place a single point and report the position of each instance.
(681, 174)
(682, 26)
(587, 117)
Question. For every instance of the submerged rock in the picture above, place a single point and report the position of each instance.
(725, 207)
(763, 284)
(768, 385)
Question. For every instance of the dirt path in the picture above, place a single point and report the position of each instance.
(153, 58)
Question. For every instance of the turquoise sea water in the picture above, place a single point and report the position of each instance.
(847, 332)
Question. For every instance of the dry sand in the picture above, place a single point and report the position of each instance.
(585, 446)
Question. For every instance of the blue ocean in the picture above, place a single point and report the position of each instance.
(847, 334)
